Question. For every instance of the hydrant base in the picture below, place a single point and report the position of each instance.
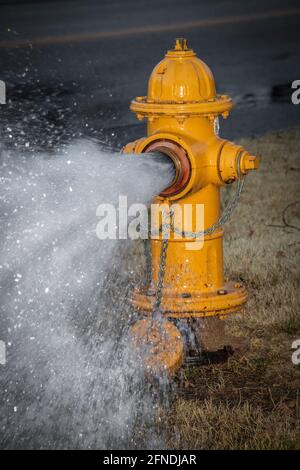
(197, 304)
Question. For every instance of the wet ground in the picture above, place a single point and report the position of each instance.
(71, 67)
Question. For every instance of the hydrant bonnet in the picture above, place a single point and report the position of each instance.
(181, 84)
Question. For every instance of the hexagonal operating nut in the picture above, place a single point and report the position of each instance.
(249, 162)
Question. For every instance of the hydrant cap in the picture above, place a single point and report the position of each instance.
(181, 77)
(181, 83)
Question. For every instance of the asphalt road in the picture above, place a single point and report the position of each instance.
(71, 67)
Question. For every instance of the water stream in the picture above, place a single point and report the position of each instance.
(70, 379)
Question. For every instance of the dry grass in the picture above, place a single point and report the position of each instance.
(222, 426)
(259, 248)
(252, 402)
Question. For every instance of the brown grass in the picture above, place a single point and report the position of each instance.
(252, 401)
(211, 425)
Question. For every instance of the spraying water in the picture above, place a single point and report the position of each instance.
(71, 380)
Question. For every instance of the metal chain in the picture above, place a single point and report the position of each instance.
(224, 217)
(189, 234)
(161, 274)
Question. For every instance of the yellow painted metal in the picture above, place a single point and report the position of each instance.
(159, 344)
(182, 107)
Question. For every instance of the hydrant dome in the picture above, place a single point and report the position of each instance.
(181, 85)
(181, 78)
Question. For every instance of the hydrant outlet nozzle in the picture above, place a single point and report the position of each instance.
(234, 161)
(249, 162)
(181, 163)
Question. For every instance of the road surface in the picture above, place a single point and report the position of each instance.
(71, 67)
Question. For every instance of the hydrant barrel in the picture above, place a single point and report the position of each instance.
(182, 109)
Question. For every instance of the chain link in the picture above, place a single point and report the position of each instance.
(189, 234)
(161, 274)
(224, 217)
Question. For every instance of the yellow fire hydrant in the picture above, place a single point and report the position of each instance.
(182, 109)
